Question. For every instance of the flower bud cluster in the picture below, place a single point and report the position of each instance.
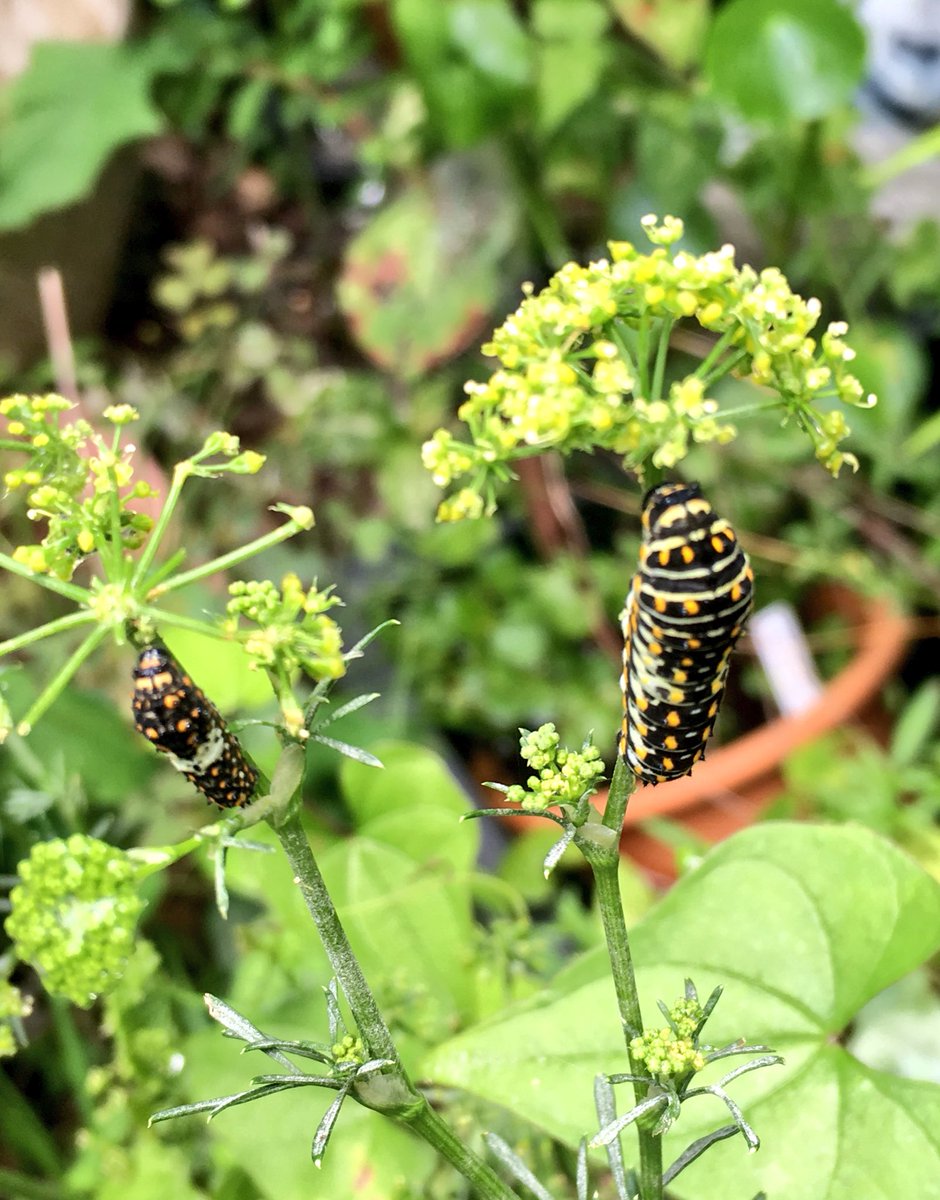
(672, 1051)
(665, 1055)
(560, 776)
(74, 914)
(349, 1051)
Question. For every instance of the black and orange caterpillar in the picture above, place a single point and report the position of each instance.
(685, 611)
(175, 717)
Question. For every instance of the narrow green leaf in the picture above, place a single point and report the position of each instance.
(350, 707)
(188, 1110)
(356, 753)
(605, 1101)
(334, 1014)
(699, 1146)
(581, 1174)
(515, 1166)
(322, 1136)
(240, 1027)
(917, 724)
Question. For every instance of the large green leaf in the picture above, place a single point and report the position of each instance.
(574, 50)
(776, 60)
(802, 925)
(405, 922)
(414, 804)
(63, 118)
(409, 924)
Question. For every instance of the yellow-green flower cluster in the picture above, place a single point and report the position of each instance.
(662, 430)
(294, 633)
(673, 1051)
(665, 1054)
(14, 1006)
(581, 365)
(560, 776)
(80, 488)
(74, 914)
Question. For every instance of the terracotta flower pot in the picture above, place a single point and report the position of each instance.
(730, 788)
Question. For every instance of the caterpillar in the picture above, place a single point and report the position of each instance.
(175, 717)
(685, 611)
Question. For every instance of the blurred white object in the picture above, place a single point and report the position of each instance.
(784, 654)
(23, 22)
(903, 57)
(900, 97)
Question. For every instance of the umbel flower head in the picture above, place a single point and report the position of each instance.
(293, 632)
(70, 477)
(581, 365)
(672, 1051)
(74, 914)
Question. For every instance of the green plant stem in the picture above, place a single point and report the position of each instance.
(369, 1022)
(541, 213)
(411, 1107)
(603, 855)
(610, 905)
(429, 1125)
(71, 591)
(54, 689)
(643, 355)
(721, 369)
(59, 625)
(659, 368)
(622, 785)
(918, 150)
(745, 410)
(161, 616)
(72, 1056)
(710, 361)
(180, 475)
(224, 561)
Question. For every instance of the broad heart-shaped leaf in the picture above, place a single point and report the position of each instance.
(76, 103)
(418, 283)
(801, 925)
(414, 803)
(776, 60)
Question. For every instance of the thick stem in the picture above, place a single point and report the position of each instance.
(486, 1183)
(607, 885)
(224, 561)
(603, 855)
(370, 1024)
